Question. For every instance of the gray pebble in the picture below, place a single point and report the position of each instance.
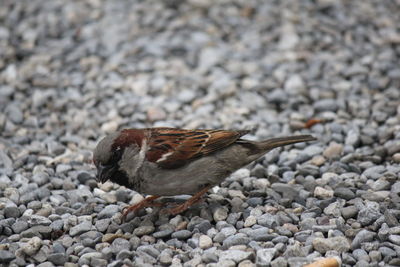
(143, 230)
(108, 211)
(235, 255)
(344, 192)
(58, 258)
(6, 256)
(361, 237)
(237, 239)
(19, 227)
(120, 244)
(80, 228)
(395, 239)
(339, 243)
(182, 234)
(369, 213)
(326, 105)
(11, 212)
(163, 233)
(265, 256)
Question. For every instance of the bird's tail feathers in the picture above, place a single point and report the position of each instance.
(284, 141)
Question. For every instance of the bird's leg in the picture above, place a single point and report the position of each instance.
(184, 206)
(147, 202)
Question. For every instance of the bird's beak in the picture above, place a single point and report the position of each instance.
(104, 172)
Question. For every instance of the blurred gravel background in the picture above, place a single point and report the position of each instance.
(72, 71)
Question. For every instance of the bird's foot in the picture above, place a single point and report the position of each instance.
(191, 201)
(147, 202)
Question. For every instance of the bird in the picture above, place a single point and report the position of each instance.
(166, 161)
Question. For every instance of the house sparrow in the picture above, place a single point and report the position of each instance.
(169, 161)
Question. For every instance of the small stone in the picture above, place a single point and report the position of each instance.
(220, 214)
(349, 212)
(318, 160)
(267, 220)
(186, 96)
(58, 258)
(108, 211)
(109, 127)
(32, 246)
(375, 256)
(344, 192)
(338, 243)
(396, 157)
(265, 256)
(182, 234)
(83, 177)
(45, 264)
(205, 242)
(333, 150)
(61, 168)
(294, 84)
(281, 262)
(108, 238)
(246, 263)
(14, 113)
(260, 234)
(156, 114)
(323, 193)
(378, 196)
(165, 258)
(368, 214)
(237, 239)
(361, 237)
(333, 209)
(352, 138)
(326, 105)
(235, 255)
(80, 228)
(163, 233)
(97, 262)
(120, 244)
(11, 212)
(102, 224)
(250, 221)
(395, 239)
(19, 226)
(143, 230)
(38, 220)
(6, 256)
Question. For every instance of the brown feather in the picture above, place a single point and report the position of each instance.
(172, 148)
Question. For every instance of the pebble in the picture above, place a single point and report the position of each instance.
(108, 211)
(220, 214)
(338, 243)
(182, 234)
(344, 192)
(237, 239)
(205, 242)
(144, 230)
(396, 157)
(80, 228)
(369, 213)
(333, 150)
(323, 193)
(32, 246)
(235, 255)
(265, 256)
(58, 258)
(361, 237)
(6, 256)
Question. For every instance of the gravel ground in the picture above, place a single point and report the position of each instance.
(72, 71)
